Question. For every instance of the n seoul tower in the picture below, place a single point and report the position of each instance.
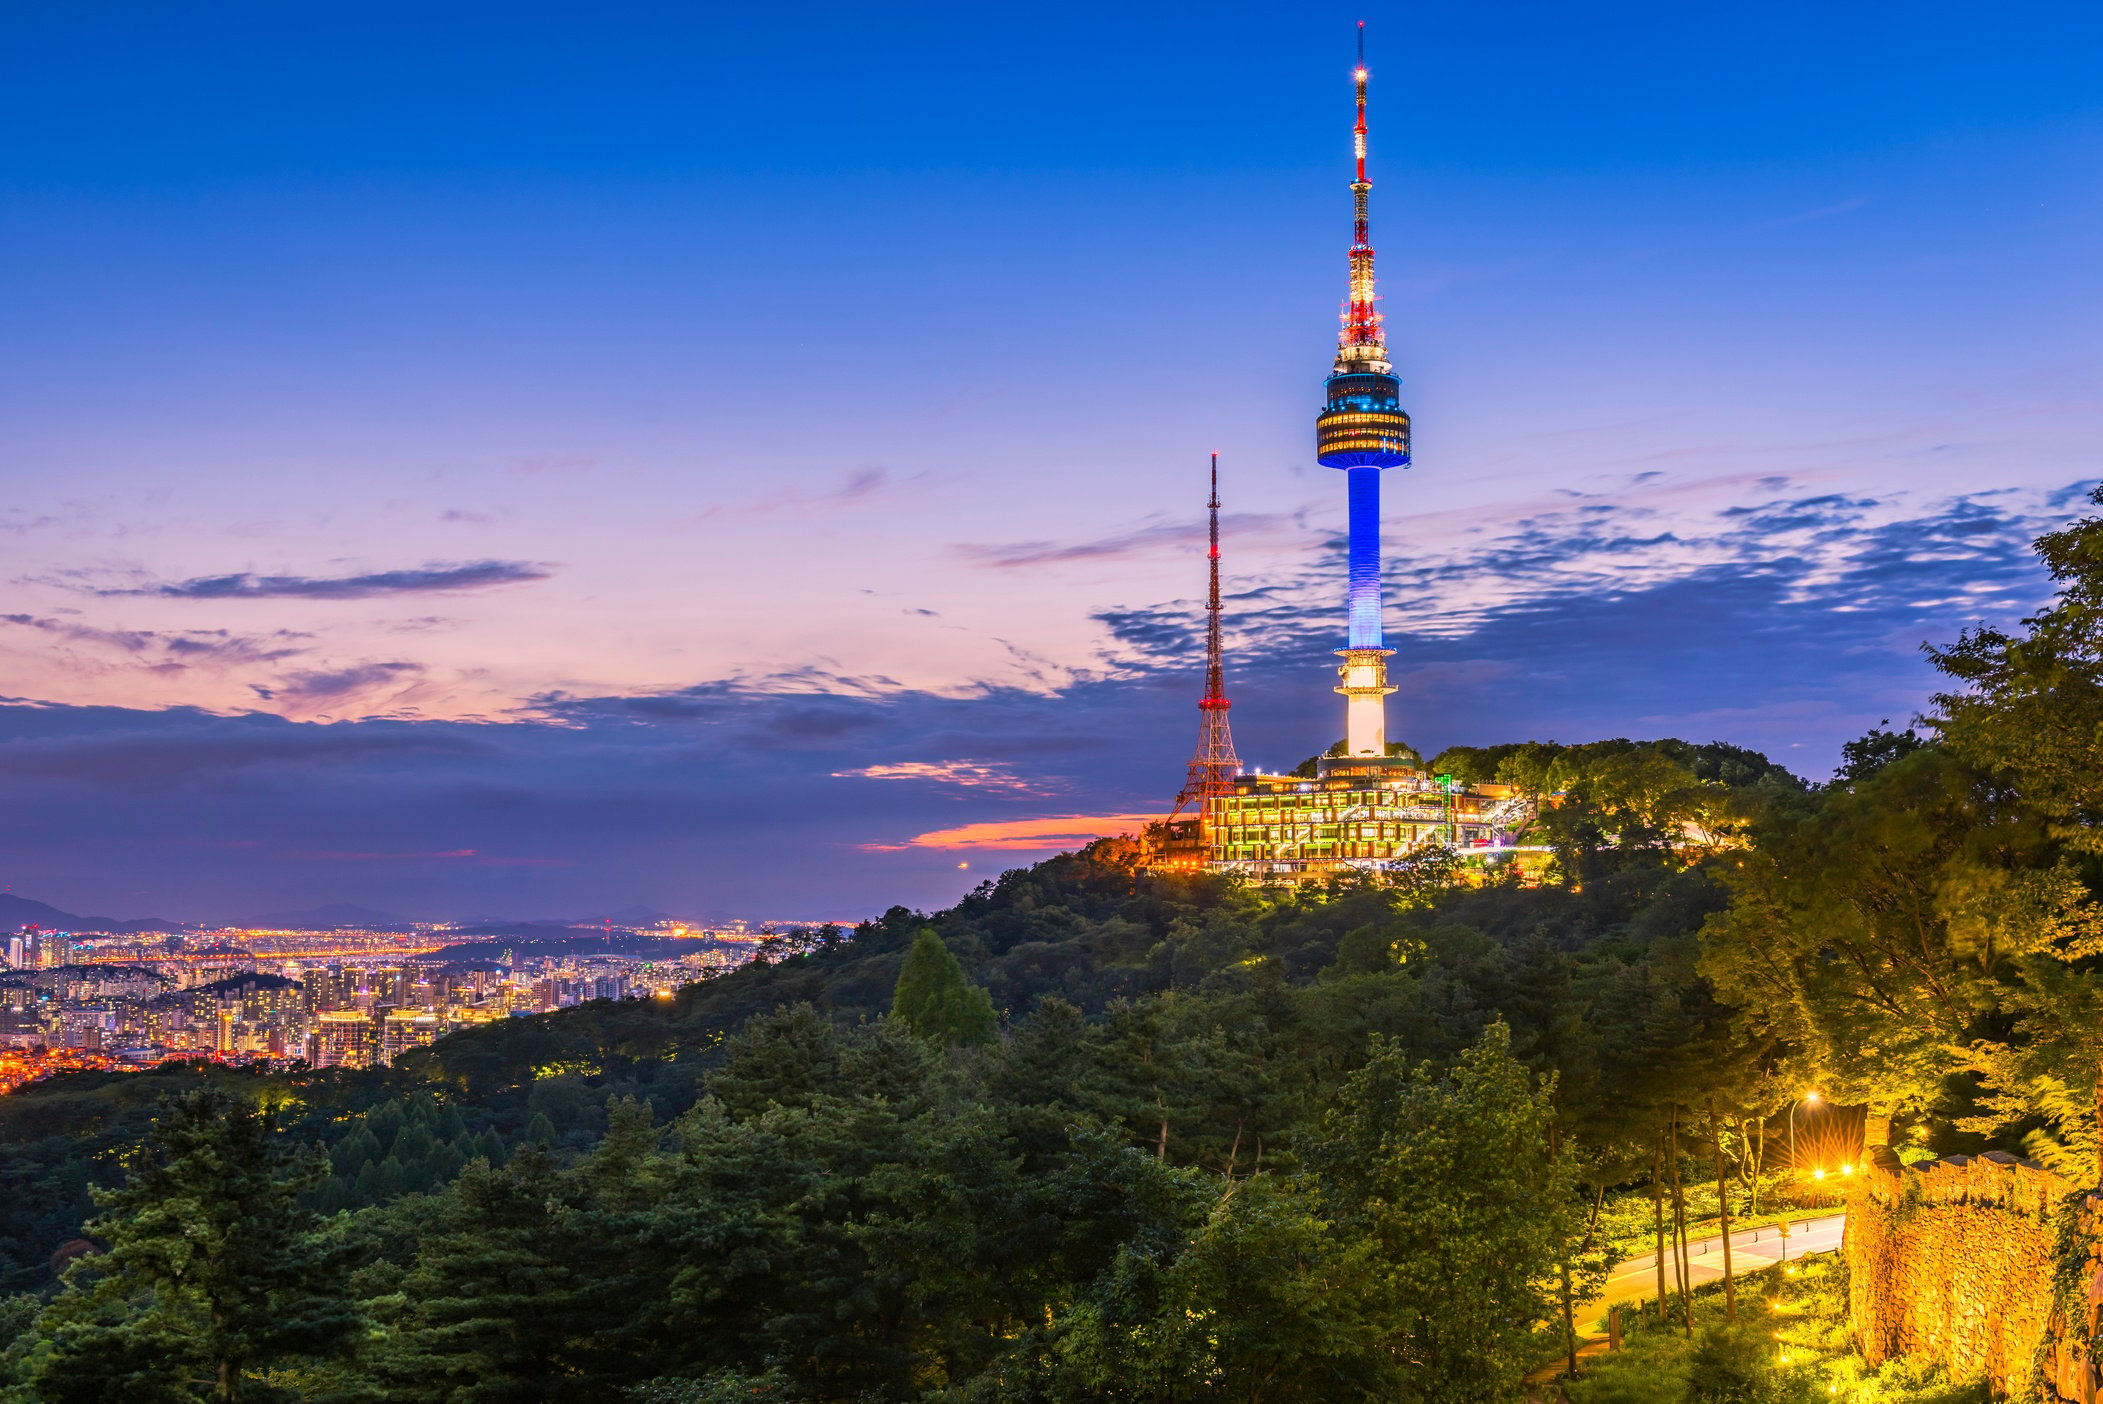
(1363, 431)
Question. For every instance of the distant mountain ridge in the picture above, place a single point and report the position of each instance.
(18, 912)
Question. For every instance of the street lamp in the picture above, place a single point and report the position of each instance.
(1810, 1100)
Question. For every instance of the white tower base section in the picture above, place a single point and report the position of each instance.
(1365, 689)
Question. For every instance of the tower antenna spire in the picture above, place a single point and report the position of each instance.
(1213, 765)
(1361, 342)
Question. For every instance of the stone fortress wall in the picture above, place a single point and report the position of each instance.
(1956, 1260)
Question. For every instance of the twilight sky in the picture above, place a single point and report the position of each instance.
(532, 460)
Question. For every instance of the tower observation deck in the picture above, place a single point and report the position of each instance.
(1363, 431)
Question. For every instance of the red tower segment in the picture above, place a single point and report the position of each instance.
(1213, 765)
(1361, 320)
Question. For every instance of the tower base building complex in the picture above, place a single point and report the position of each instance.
(1364, 810)
(1353, 818)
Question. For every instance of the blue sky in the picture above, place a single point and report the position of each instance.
(519, 459)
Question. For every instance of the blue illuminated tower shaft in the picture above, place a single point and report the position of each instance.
(1363, 431)
(1365, 557)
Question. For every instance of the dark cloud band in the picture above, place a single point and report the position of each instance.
(436, 578)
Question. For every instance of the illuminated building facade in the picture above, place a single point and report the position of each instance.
(404, 1029)
(1288, 828)
(341, 1038)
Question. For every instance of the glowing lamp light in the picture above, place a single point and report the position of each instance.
(1819, 1173)
(1848, 1169)
(1811, 1098)
(1359, 75)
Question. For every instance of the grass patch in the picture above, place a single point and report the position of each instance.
(1791, 1344)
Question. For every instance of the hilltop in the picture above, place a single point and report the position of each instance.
(18, 912)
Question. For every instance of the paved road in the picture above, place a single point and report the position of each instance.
(1751, 1250)
(1637, 1277)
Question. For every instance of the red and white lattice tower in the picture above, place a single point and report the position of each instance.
(1213, 765)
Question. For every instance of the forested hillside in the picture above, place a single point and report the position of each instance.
(1096, 1134)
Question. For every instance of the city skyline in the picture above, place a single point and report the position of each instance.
(583, 481)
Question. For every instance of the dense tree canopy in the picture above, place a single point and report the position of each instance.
(1924, 934)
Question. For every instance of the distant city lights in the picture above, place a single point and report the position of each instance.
(352, 998)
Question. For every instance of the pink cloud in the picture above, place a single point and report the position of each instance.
(1024, 835)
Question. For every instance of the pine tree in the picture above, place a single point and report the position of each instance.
(386, 1123)
(214, 1274)
(786, 1057)
(936, 1000)
(489, 1310)
(354, 1150)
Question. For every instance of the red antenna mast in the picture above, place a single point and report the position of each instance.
(1361, 321)
(1214, 765)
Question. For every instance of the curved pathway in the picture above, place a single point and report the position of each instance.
(1751, 1250)
(1636, 1279)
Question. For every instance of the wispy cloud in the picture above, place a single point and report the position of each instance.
(127, 640)
(1145, 541)
(317, 688)
(181, 646)
(435, 578)
(974, 775)
(852, 486)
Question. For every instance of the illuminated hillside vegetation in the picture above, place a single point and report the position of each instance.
(1790, 1343)
(1338, 1145)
